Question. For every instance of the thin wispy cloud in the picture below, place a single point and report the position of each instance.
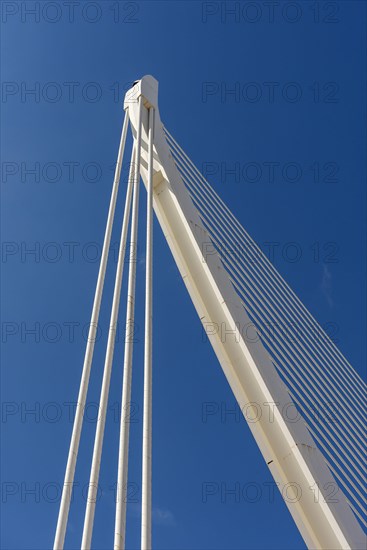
(160, 516)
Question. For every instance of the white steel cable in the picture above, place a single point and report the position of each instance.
(103, 402)
(306, 388)
(253, 247)
(325, 450)
(238, 280)
(351, 504)
(300, 399)
(122, 469)
(319, 441)
(260, 255)
(333, 470)
(300, 403)
(254, 283)
(146, 486)
(361, 519)
(270, 310)
(265, 260)
(285, 289)
(236, 244)
(79, 413)
(333, 371)
(329, 380)
(317, 427)
(340, 465)
(199, 209)
(238, 277)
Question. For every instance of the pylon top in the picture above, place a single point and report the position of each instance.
(147, 87)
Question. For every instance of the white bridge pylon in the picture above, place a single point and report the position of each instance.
(259, 370)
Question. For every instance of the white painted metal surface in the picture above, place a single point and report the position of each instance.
(121, 493)
(79, 413)
(146, 486)
(216, 287)
(287, 447)
(103, 402)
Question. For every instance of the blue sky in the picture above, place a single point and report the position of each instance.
(298, 75)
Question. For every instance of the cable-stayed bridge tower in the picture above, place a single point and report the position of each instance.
(274, 354)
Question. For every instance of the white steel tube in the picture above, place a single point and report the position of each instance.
(286, 446)
(98, 442)
(120, 518)
(79, 413)
(146, 487)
